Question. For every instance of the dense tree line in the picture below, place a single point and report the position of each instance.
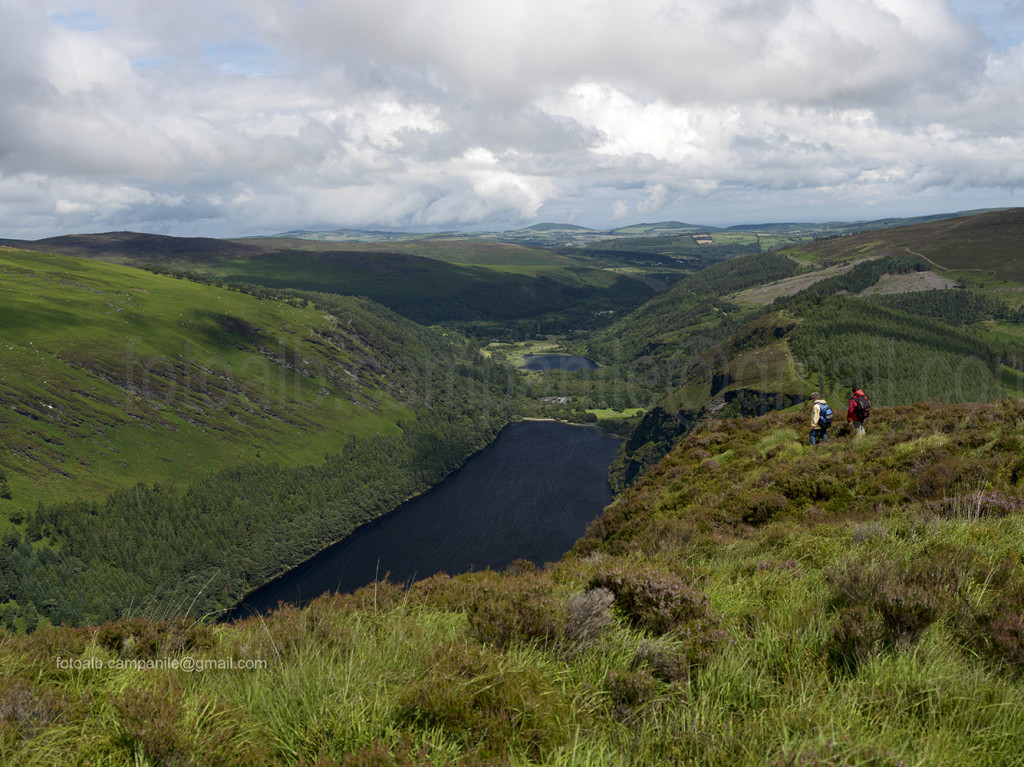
(162, 550)
(952, 306)
(903, 358)
(741, 274)
(682, 246)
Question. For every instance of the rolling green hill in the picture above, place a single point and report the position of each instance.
(479, 286)
(250, 431)
(983, 244)
(111, 374)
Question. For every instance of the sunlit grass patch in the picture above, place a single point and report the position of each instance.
(778, 438)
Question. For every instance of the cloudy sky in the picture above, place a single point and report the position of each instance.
(235, 117)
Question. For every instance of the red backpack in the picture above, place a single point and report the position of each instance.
(861, 407)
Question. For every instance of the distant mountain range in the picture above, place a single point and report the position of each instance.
(551, 234)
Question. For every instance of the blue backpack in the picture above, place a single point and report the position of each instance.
(824, 416)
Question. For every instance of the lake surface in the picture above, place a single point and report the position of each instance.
(563, 362)
(529, 495)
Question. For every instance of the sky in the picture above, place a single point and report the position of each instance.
(226, 118)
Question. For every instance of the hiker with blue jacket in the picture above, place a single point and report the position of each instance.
(821, 419)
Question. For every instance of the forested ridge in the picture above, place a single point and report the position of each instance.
(475, 299)
(689, 317)
(162, 550)
(904, 358)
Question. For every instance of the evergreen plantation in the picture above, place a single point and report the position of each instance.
(174, 440)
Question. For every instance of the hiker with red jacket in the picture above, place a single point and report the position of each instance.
(860, 408)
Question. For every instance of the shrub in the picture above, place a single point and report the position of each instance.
(886, 604)
(49, 642)
(975, 504)
(506, 610)
(520, 567)
(806, 481)
(440, 590)
(147, 639)
(24, 710)
(587, 613)
(629, 691)
(289, 630)
(939, 478)
(763, 506)
(151, 724)
(668, 664)
(858, 636)
(753, 507)
(996, 630)
(402, 754)
(662, 604)
(380, 595)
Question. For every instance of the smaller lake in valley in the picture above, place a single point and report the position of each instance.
(563, 362)
(529, 495)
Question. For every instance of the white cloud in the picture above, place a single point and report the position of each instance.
(239, 116)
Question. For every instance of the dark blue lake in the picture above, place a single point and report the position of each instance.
(529, 495)
(563, 362)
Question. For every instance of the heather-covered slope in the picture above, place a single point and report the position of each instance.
(752, 601)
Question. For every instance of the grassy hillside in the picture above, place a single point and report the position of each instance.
(163, 437)
(752, 601)
(110, 374)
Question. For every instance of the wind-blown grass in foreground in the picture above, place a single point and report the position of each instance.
(753, 601)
